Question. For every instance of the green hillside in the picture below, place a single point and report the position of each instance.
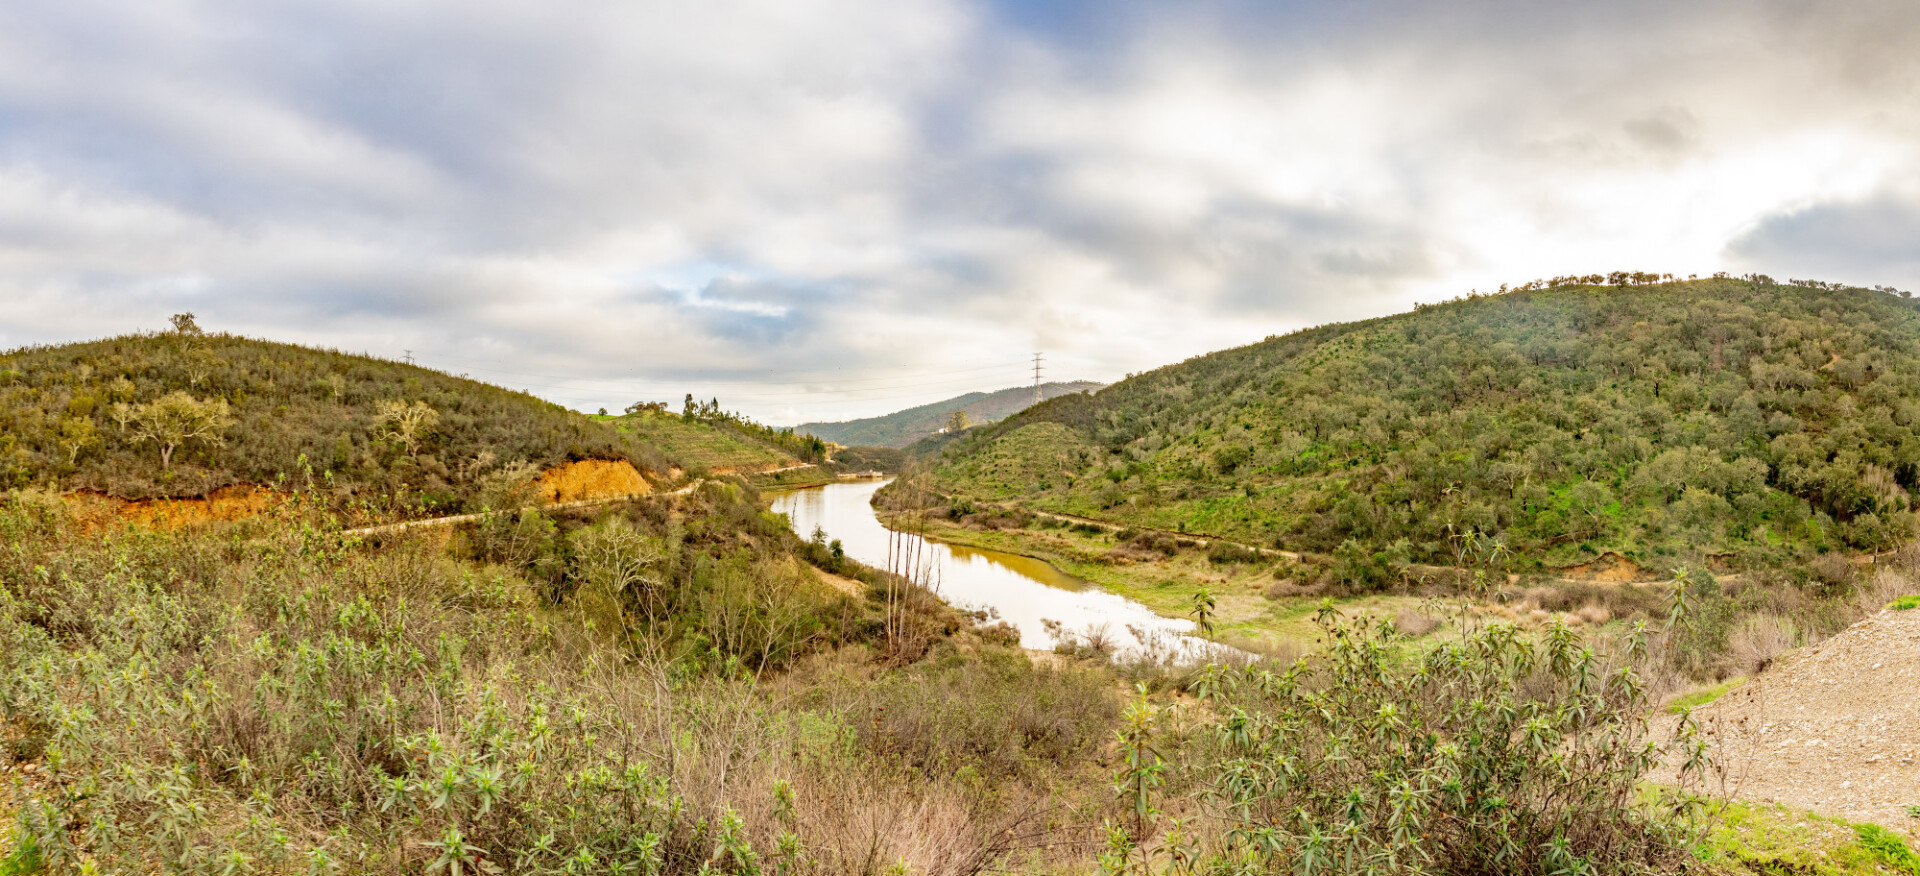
(902, 428)
(698, 445)
(184, 413)
(1740, 422)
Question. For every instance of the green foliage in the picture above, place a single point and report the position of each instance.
(272, 698)
(1758, 422)
(183, 413)
(1905, 603)
(1889, 848)
(863, 459)
(701, 445)
(25, 859)
(999, 715)
(802, 445)
(1496, 753)
(902, 428)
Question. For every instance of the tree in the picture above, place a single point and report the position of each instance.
(406, 423)
(76, 435)
(958, 421)
(175, 419)
(183, 324)
(199, 363)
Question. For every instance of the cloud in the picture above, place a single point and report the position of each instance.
(840, 207)
(1873, 240)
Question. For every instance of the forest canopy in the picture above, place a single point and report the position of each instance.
(1733, 421)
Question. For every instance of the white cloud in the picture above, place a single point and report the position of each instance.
(843, 207)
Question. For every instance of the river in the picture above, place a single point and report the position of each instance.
(1022, 591)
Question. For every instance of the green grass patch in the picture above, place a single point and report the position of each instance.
(1770, 838)
(1888, 847)
(1905, 602)
(1698, 698)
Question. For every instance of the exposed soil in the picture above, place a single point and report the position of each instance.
(591, 479)
(224, 505)
(1833, 728)
(1608, 568)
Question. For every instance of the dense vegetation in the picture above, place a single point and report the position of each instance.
(902, 428)
(659, 688)
(678, 684)
(1741, 422)
(71, 416)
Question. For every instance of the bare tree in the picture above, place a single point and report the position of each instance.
(183, 324)
(407, 423)
(175, 419)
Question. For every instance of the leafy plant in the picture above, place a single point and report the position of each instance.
(1498, 752)
(1888, 847)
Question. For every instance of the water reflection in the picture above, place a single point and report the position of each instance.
(1023, 591)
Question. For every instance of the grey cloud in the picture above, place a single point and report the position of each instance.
(1874, 240)
(915, 185)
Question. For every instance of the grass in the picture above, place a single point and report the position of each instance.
(1695, 699)
(698, 445)
(1889, 848)
(1770, 838)
(1905, 603)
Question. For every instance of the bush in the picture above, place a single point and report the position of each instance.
(1348, 764)
(1000, 715)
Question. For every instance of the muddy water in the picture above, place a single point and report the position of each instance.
(1022, 591)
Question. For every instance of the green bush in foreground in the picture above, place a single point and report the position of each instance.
(273, 698)
(1498, 753)
(1905, 603)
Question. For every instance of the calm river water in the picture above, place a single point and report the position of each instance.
(1022, 591)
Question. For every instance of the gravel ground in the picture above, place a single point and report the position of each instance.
(1833, 728)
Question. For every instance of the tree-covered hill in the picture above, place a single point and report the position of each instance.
(1741, 422)
(182, 413)
(902, 428)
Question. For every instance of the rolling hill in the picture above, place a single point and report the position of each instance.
(178, 414)
(1737, 423)
(902, 428)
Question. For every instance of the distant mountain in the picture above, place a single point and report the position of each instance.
(902, 428)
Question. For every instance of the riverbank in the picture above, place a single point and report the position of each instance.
(1257, 606)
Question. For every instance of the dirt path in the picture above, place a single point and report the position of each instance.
(1833, 728)
(385, 528)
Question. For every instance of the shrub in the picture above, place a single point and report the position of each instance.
(1759, 638)
(1905, 603)
(1415, 623)
(1347, 764)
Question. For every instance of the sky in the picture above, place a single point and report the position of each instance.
(821, 209)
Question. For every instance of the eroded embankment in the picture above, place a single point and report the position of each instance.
(591, 479)
(224, 505)
(587, 480)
